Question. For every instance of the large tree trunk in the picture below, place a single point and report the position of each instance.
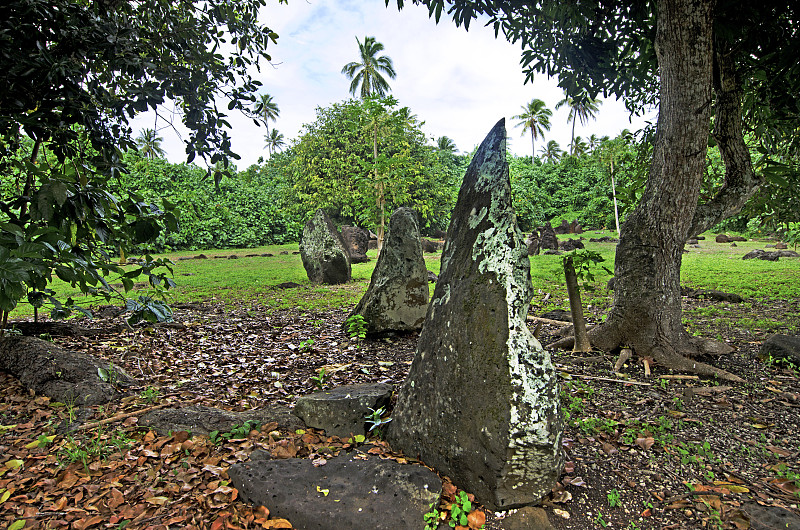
(646, 314)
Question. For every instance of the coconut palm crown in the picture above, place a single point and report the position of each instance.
(535, 117)
(366, 75)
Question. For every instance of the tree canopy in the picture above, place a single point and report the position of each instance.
(718, 66)
(73, 75)
(334, 165)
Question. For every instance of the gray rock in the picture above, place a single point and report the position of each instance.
(770, 256)
(711, 294)
(785, 347)
(548, 239)
(199, 419)
(397, 296)
(345, 493)
(432, 277)
(571, 244)
(341, 411)
(770, 517)
(430, 246)
(722, 238)
(480, 403)
(532, 242)
(781, 246)
(527, 518)
(563, 228)
(322, 250)
(356, 241)
(691, 242)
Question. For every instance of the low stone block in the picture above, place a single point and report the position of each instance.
(341, 411)
(199, 419)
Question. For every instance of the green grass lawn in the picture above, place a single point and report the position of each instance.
(252, 279)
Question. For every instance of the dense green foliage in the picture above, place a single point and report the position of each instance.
(72, 75)
(334, 165)
(245, 210)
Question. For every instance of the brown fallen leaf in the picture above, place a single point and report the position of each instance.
(476, 519)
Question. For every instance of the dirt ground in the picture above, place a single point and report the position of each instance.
(664, 451)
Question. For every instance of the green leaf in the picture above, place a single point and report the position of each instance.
(103, 374)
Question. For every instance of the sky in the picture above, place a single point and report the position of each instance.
(459, 83)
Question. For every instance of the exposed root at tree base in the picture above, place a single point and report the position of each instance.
(607, 337)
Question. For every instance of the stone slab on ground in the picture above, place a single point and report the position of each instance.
(770, 517)
(200, 419)
(526, 518)
(341, 411)
(345, 493)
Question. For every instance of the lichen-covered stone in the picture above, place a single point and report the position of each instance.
(397, 297)
(323, 252)
(480, 403)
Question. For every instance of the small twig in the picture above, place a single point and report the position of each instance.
(679, 377)
(549, 321)
(608, 379)
(125, 415)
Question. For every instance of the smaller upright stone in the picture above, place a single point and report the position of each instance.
(322, 250)
(548, 239)
(397, 297)
(356, 240)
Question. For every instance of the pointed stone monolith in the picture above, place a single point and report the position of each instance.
(323, 252)
(397, 297)
(480, 403)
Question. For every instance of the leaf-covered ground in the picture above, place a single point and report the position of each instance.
(663, 451)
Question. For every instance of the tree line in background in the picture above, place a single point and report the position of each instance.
(75, 195)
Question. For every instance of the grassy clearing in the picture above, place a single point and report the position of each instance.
(251, 277)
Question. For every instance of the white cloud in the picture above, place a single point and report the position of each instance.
(459, 83)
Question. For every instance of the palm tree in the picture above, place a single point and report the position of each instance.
(269, 111)
(149, 144)
(581, 109)
(578, 147)
(275, 141)
(446, 145)
(536, 117)
(551, 152)
(367, 72)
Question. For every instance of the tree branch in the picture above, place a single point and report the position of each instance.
(741, 182)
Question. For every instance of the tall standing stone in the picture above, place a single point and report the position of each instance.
(397, 297)
(480, 403)
(322, 250)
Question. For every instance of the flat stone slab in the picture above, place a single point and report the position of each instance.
(341, 411)
(346, 492)
(770, 517)
(199, 419)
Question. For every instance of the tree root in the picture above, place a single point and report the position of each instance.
(607, 337)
